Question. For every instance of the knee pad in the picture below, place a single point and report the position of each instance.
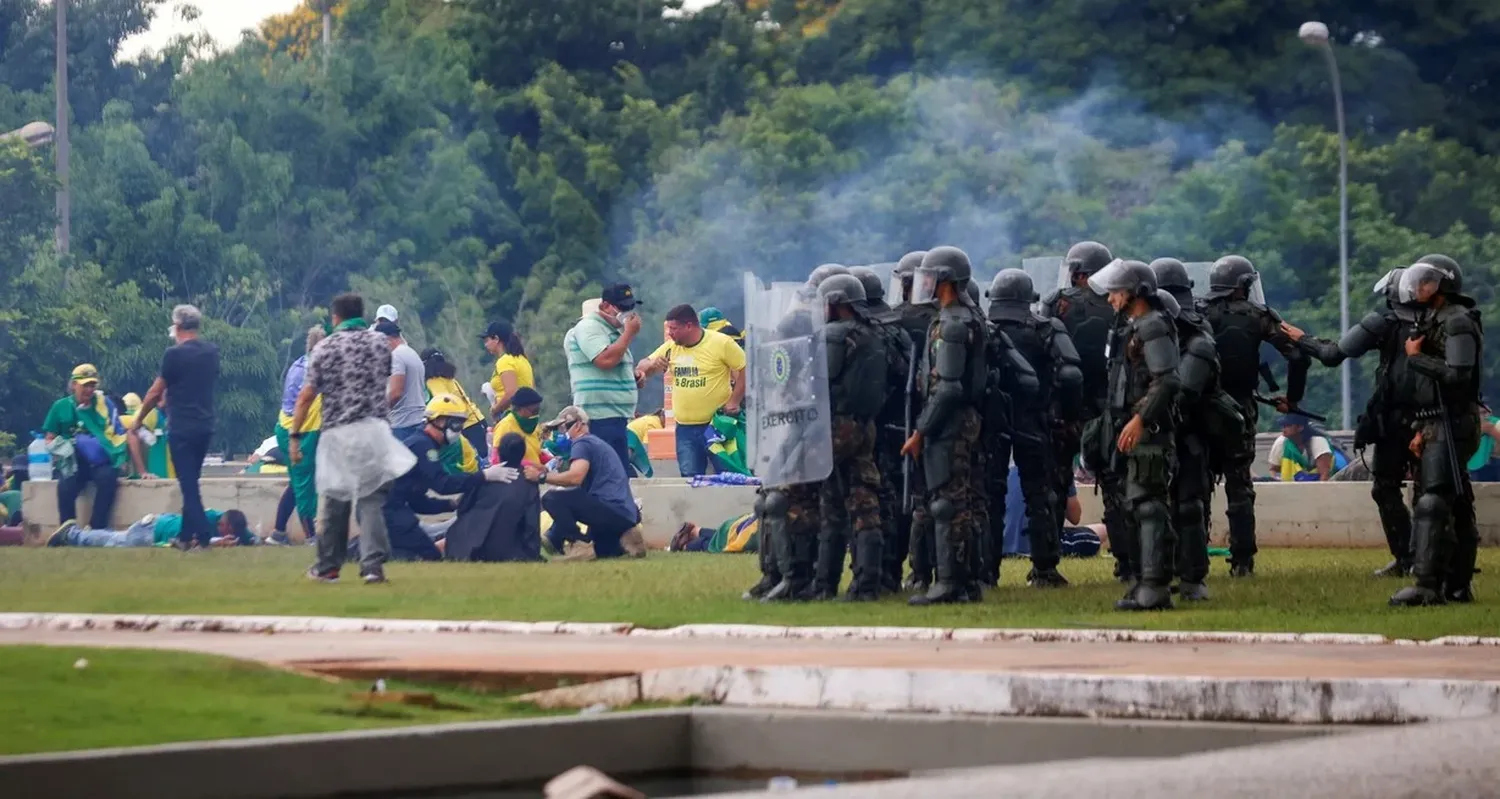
(776, 503)
(1430, 506)
(1191, 509)
(942, 510)
(1152, 511)
(1385, 492)
(759, 507)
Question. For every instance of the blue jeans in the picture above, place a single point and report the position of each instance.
(139, 535)
(612, 432)
(572, 507)
(693, 457)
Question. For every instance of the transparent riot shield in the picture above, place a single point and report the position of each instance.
(789, 425)
(1048, 274)
(1199, 272)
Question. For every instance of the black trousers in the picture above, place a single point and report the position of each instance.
(188, 450)
(105, 480)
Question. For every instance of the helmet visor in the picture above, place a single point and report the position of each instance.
(1113, 277)
(1419, 282)
(896, 293)
(924, 286)
(1391, 278)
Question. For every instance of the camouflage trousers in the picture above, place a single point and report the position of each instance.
(948, 462)
(895, 522)
(849, 501)
(788, 540)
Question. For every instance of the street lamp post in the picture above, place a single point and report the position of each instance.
(64, 203)
(1315, 34)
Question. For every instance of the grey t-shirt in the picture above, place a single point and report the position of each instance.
(410, 409)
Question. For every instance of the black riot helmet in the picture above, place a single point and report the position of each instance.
(1171, 274)
(1011, 295)
(1448, 265)
(825, 271)
(942, 265)
(1433, 275)
(1086, 258)
(1230, 273)
(1132, 276)
(841, 290)
(874, 289)
(906, 269)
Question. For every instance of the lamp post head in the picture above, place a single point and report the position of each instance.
(1315, 34)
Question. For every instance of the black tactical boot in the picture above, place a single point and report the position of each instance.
(951, 584)
(1415, 596)
(1192, 592)
(1396, 568)
(1245, 567)
(1462, 595)
(1046, 578)
(1145, 596)
(760, 589)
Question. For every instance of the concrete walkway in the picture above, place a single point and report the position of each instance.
(386, 654)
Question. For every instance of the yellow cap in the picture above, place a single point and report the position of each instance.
(86, 374)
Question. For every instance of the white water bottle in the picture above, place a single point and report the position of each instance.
(38, 459)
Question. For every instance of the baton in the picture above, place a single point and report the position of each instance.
(1264, 400)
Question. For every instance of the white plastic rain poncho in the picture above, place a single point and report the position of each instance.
(355, 460)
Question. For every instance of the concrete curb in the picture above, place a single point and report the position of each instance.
(1287, 701)
(333, 624)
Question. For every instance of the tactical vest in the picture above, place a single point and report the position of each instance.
(898, 363)
(1434, 330)
(975, 375)
(859, 390)
(1033, 340)
(1393, 375)
(1089, 320)
(1130, 378)
(1237, 326)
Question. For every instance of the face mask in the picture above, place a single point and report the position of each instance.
(526, 423)
(562, 444)
(452, 436)
(172, 332)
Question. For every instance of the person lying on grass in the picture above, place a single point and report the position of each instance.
(156, 530)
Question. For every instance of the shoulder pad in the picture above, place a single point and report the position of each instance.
(1201, 346)
(952, 329)
(1459, 322)
(1152, 326)
(1057, 325)
(1051, 297)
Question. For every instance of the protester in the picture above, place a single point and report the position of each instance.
(231, 526)
(1076, 540)
(442, 378)
(407, 383)
(189, 374)
(444, 419)
(712, 318)
(600, 498)
(601, 368)
(737, 535)
(638, 431)
(1303, 452)
(357, 455)
(302, 487)
(522, 419)
(499, 522)
(387, 313)
(149, 453)
(707, 372)
(512, 369)
(87, 442)
(1484, 467)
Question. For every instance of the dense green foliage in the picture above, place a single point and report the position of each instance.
(478, 159)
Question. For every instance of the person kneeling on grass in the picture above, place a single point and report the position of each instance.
(158, 530)
(446, 416)
(594, 491)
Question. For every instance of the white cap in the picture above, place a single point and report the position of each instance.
(386, 312)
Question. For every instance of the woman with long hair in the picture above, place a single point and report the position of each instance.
(512, 368)
(442, 378)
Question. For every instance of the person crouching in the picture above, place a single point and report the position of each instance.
(445, 418)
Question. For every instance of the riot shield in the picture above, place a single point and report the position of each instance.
(789, 424)
(1200, 271)
(1048, 274)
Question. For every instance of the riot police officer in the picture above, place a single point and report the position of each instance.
(1198, 376)
(1089, 321)
(1048, 351)
(916, 319)
(952, 388)
(1236, 311)
(1388, 417)
(1444, 357)
(892, 424)
(849, 498)
(1137, 427)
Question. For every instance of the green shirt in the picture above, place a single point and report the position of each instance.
(66, 420)
(601, 393)
(169, 526)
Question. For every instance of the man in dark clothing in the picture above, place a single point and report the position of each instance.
(189, 372)
(499, 523)
(915, 319)
(446, 416)
(599, 491)
(1236, 311)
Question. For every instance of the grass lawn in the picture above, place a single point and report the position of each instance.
(129, 697)
(1296, 591)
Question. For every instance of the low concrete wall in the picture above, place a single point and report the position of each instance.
(1288, 514)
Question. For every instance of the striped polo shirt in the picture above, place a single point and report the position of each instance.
(601, 393)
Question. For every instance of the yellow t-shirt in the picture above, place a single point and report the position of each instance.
(447, 385)
(512, 363)
(311, 423)
(700, 375)
(508, 424)
(643, 425)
